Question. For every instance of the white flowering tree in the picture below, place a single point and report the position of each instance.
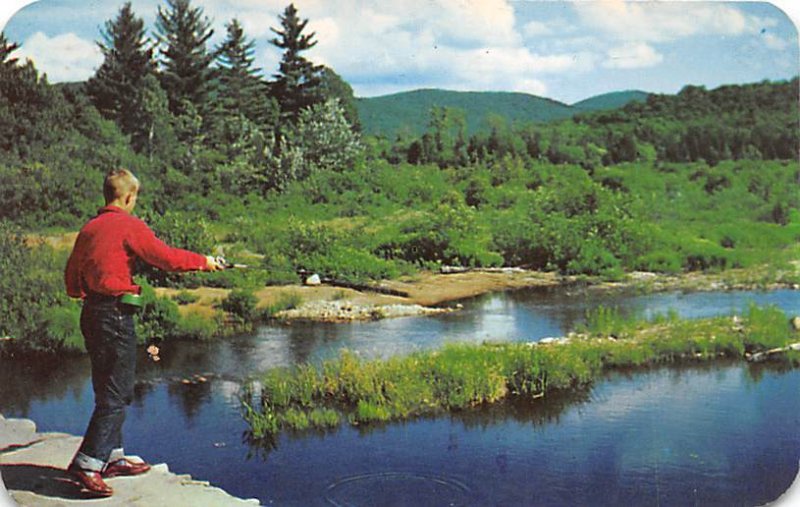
(322, 140)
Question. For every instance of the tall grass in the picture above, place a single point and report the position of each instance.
(461, 376)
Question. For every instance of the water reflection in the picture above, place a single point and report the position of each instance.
(38, 379)
(656, 436)
(717, 433)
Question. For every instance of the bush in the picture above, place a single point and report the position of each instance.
(185, 297)
(242, 304)
(284, 302)
(179, 230)
(158, 319)
(669, 262)
(194, 325)
(61, 329)
(31, 294)
(767, 327)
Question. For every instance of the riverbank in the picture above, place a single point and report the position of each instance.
(32, 467)
(430, 293)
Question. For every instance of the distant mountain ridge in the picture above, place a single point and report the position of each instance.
(613, 100)
(409, 111)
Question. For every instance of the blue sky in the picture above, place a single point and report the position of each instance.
(563, 50)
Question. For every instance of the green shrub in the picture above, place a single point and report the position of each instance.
(767, 326)
(185, 297)
(158, 319)
(242, 304)
(669, 262)
(61, 329)
(196, 326)
(36, 313)
(180, 230)
(285, 301)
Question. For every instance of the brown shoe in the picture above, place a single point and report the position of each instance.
(90, 481)
(126, 467)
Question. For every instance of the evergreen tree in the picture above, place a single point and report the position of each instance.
(242, 92)
(116, 88)
(298, 80)
(186, 73)
(332, 86)
(7, 64)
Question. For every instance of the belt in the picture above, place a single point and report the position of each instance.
(128, 299)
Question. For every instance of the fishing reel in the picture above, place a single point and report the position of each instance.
(228, 265)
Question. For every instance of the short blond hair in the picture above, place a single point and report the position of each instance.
(118, 183)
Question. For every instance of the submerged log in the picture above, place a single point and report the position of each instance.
(350, 285)
(763, 356)
(365, 287)
(451, 270)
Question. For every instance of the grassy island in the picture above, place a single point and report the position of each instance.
(461, 376)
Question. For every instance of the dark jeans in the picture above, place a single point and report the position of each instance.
(108, 330)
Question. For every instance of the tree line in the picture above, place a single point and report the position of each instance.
(735, 122)
(188, 116)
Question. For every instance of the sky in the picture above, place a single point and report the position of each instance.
(563, 50)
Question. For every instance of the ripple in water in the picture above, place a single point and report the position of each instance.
(398, 488)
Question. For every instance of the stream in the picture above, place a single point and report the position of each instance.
(726, 433)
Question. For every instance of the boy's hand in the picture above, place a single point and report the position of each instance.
(212, 264)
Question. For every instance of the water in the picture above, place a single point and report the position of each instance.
(727, 434)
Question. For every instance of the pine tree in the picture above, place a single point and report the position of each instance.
(117, 86)
(186, 72)
(8, 65)
(298, 80)
(6, 48)
(242, 92)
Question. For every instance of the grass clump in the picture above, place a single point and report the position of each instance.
(195, 325)
(184, 297)
(462, 376)
(286, 301)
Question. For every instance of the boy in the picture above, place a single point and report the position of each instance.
(99, 271)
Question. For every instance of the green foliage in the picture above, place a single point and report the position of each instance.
(606, 321)
(186, 73)
(297, 84)
(196, 326)
(242, 92)
(332, 86)
(284, 302)
(179, 230)
(61, 329)
(767, 327)
(409, 111)
(185, 297)
(462, 376)
(241, 304)
(158, 319)
(118, 88)
(36, 311)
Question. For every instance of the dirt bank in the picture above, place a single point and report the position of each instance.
(429, 292)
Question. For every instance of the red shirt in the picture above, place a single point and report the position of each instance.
(107, 246)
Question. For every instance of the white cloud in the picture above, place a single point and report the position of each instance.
(665, 21)
(455, 44)
(772, 41)
(632, 56)
(536, 29)
(65, 57)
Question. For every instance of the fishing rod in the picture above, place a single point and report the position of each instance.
(229, 265)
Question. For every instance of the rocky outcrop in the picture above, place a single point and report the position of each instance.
(32, 468)
(345, 311)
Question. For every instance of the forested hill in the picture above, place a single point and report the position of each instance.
(611, 100)
(409, 112)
